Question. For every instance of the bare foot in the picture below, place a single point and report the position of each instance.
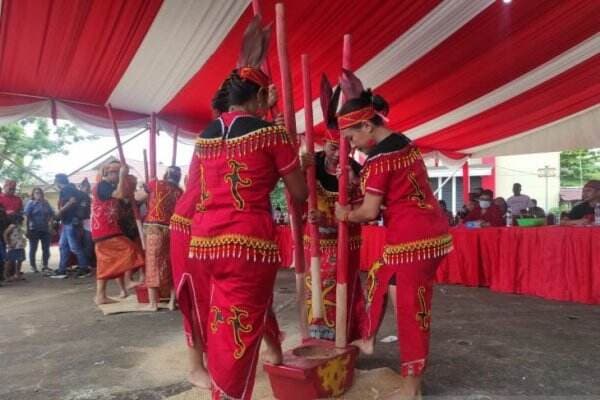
(172, 305)
(365, 345)
(410, 389)
(123, 295)
(149, 307)
(199, 378)
(104, 300)
(272, 353)
(133, 284)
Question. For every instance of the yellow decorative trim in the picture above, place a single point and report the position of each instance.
(180, 224)
(240, 146)
(418, 250)
(387, 162)
(234, 246)
(330, 245)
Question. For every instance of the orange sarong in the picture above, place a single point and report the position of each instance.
(117, 255)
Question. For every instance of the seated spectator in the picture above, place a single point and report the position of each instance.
(535, 211)
(447, 213)
(501, 203)
(583, 212)
(488, 213)
(518, 203)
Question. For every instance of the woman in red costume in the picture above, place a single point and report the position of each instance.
(241, 158)
(394, 178)
(326, 167)
(117, 255)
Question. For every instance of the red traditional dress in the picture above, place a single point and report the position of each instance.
(417, 239)
(242, 158)
(327, 195)
(115, 253)
(162, 196)
(191, 281)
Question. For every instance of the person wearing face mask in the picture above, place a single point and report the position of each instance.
(488, 213)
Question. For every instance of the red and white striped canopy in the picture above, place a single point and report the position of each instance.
(477, 77)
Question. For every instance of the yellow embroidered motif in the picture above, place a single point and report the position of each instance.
(333, 374)
(238, 328)
(372, 280)
(218, 319)
(424, 315)
(418, 195)
(204, 193)
(236, 182)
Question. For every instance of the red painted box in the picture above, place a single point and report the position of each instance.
(317, 369)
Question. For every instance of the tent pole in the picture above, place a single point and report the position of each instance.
(174, 159)
(152, 166)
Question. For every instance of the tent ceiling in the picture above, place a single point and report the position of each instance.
(462, 76)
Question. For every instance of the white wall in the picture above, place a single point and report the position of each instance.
(524, 170)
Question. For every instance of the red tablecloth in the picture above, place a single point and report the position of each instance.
(551, 262)
(557, 263)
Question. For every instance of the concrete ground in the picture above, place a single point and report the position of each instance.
(55, 344)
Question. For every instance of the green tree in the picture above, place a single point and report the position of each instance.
(25, 150)
(579, 166)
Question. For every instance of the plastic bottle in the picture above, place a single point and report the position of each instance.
(509, 218)
(597, 214)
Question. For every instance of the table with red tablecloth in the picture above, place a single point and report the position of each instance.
(553, 262)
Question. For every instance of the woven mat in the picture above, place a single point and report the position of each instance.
(127, 305)
(368, 385)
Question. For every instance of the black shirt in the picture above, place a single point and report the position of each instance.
(394, 142)
(69, 216)
(581, 210)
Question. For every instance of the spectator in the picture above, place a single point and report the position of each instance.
(502, 205)
(71, 236)
(488, 213)
(14, 237)
(9, 200)
(518, 202)
(446, 212)
(39, 215)
(583, 212)
(536, 211)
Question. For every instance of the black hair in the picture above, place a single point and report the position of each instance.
(240, 91)
(488, 192)
(367, 98)
(220, 101)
